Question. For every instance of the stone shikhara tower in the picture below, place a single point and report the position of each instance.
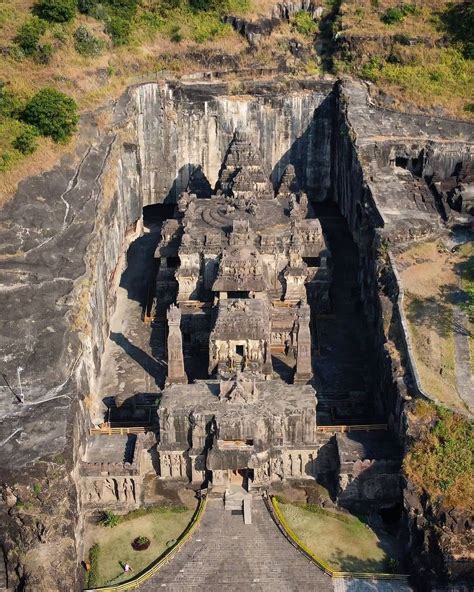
(241, 271)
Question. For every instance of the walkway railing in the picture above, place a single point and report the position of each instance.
(280, 520)
(353, 428)
(108, 430)
(163, 560)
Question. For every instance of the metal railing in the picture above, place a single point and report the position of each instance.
(278, 517)
(353, 428)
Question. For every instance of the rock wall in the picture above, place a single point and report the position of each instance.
(184, 127)
(383, 212)
(64, 238)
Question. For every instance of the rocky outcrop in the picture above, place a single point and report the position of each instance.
(441, 540)
(63, 241)
(65, 233)
(255, 30)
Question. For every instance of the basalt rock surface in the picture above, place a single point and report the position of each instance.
(64, 236)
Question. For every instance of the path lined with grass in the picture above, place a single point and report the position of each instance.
(341, 540)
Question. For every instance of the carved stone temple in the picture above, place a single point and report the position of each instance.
(242, 270)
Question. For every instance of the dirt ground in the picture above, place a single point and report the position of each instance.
(432, 275)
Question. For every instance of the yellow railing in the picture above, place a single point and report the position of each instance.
(106, 429)
(321, 563)
(352, 428)
(163, 560)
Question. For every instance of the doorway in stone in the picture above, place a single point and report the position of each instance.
(239, 478)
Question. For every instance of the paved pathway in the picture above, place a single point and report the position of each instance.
(358, 585)
(225, 555)
(463, 357)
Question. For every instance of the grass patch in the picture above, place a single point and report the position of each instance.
(162, 525)
(431, 277)
(401, 47)
(343, 541)
(440, 461)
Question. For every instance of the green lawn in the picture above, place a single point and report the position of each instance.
(162, 528)
(347, 545)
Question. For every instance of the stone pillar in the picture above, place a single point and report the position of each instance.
(176, 373)
(304, 371)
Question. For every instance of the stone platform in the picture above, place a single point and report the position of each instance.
(226, 555)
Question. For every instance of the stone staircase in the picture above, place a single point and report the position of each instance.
(225, 554)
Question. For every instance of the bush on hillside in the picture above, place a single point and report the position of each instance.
(10, 105)
(53, 113)
(119, 29)
(55, 11)
(29, 34)
(26, 143)
(43, 54)
(303, 22)
(86, 43)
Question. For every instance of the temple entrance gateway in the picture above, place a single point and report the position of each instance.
(239, 478)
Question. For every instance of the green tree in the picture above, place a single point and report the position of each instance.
(29, 34)
(55, 11)
(119, 30)
(26, 143)
(53, 113)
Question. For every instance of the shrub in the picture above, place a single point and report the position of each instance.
(109, 519)
(5, 159)
(29, 34)
(86, 43)
(206, 27)
(26, 143)
(9, 103)
(119, 30)
(303, 22)
(175, 34)
(36, 486)
(53, 113)
(440, 461)
(371, 69)
(393, 15)
(55, 11)
(43, 54)
(94, 552)
(87, 6)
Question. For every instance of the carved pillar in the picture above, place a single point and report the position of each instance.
(304, 371)
(176, 373)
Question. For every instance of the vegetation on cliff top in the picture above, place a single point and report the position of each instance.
(421, 53)
(440, 460)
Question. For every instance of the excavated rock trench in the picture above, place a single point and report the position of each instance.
(72, 306)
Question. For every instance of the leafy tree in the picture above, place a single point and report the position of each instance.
(55, 11)
(53, 113)
(29, 34)
(87, 6)
(119, 29)
(459, 21)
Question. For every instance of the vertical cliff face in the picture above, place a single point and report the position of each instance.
(181, 128)
(64, 238)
